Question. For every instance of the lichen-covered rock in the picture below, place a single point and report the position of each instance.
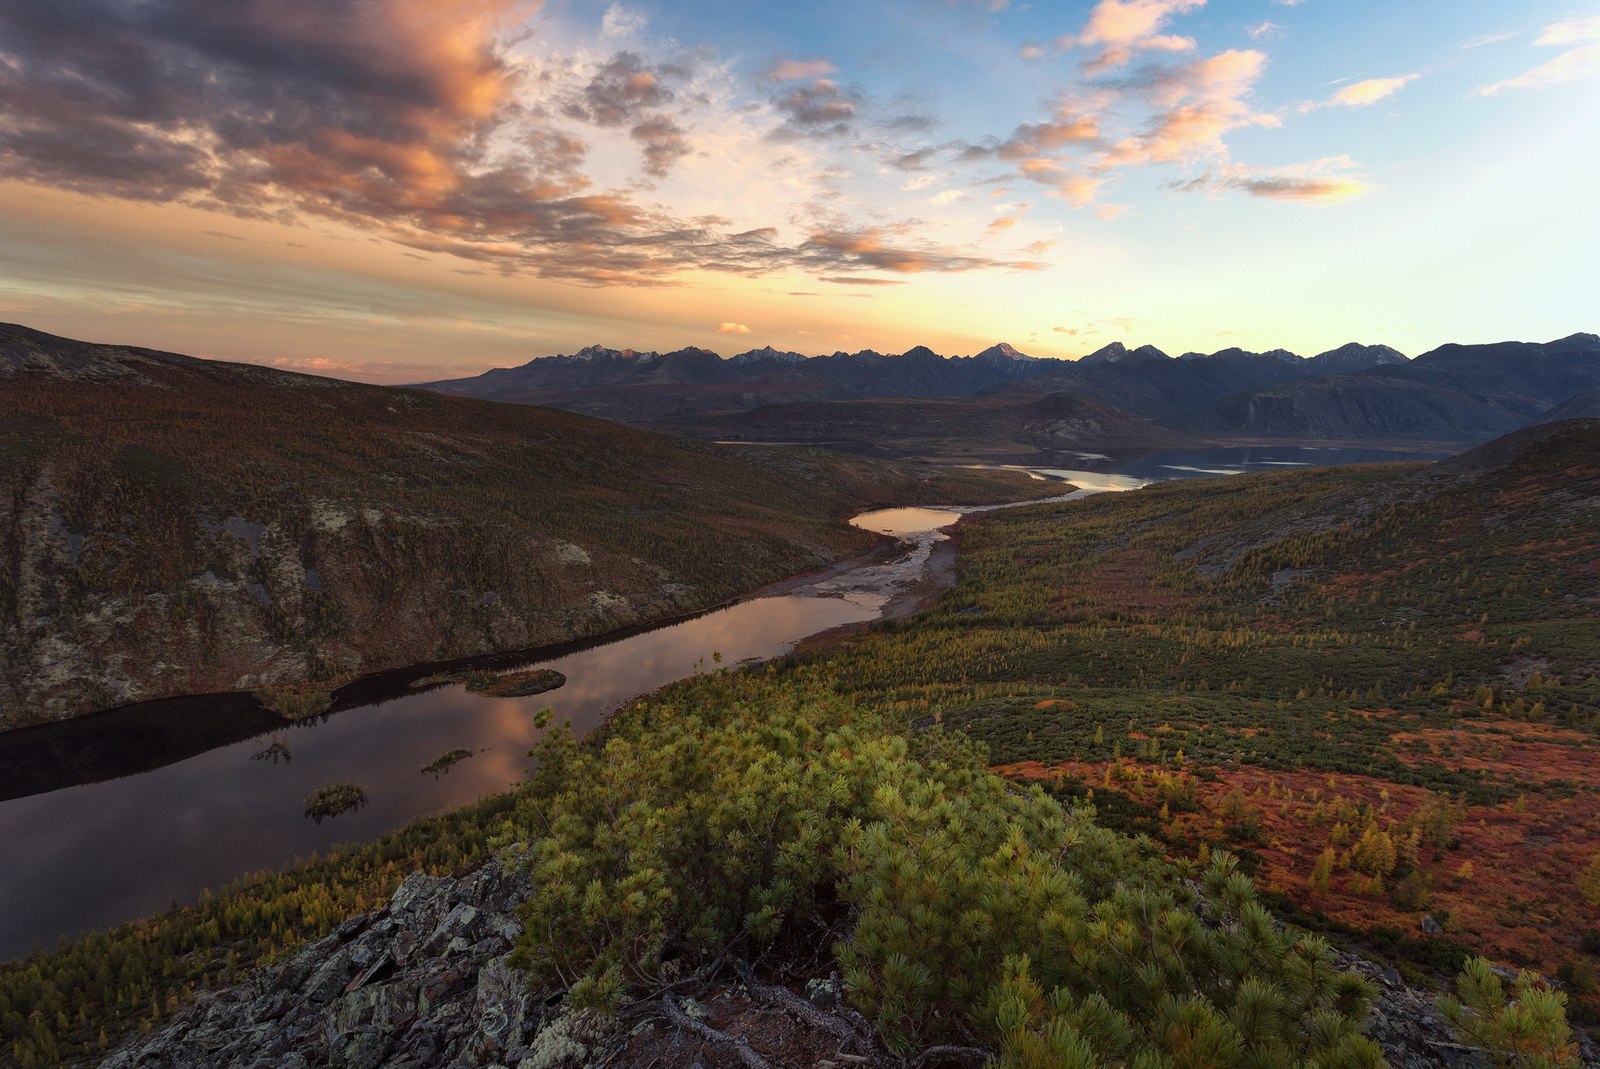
(425, 981)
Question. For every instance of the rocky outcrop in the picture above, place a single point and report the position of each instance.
(422, 982)
(427, 981)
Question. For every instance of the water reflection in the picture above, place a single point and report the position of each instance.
(96, 853)
(905, 522)
(92, 855)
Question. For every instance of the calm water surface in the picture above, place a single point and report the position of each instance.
(91, 854)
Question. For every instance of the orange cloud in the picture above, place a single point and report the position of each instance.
(733, 328)
(1009, 220)
(866, 248)
(1326, 181)
(1122, 27)
(1363, 93)
(1204, 101)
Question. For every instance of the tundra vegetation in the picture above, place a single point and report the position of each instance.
(1379, 687)
(1352, 698)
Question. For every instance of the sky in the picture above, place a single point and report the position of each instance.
(403, 190)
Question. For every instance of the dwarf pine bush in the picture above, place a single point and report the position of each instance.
(1526, 1027)
(736, 812)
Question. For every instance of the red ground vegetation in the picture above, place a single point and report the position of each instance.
(1516, 901)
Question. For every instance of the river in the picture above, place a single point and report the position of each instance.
(92, 854)
(122, 814)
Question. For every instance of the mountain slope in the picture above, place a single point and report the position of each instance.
(1353, 356)
(1286, 664)
(1382, 404)
(1456, 393)
(1585, 405)
(1009, 422)
(172, 525)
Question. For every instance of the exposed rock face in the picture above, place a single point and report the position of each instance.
(426, 981)
(422, 982)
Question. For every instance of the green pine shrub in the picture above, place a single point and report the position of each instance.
(735, 812)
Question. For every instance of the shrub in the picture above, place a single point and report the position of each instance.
(1527, 1028)
(736, 811)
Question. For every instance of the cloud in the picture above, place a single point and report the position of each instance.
(915, 160)
(1030, 139)
(1014, 214)
(1580, 61)
(1330, 180)
(867, 248)
(403, 119)
(796, 70)
(664, 142)
(1119, 28)
(1362, 94)
(1264, 30)
(623, 89)
(1078, 190)
(1157, 115)
(824, 109)
(1201, 103)
(618, 21)
(1490, 39)
(863, 281)
(733, 328)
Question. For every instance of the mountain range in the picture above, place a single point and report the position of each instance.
(1452, 396)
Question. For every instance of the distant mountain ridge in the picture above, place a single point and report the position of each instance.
(1455, 393)
(1452, 396)
(649, 388)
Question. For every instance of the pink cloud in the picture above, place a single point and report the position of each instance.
(793, 70)
(1119, 28)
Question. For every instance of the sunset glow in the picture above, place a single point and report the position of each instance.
(396, 190)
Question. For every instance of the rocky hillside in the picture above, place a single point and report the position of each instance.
(1582, 406)
(171, 526)
(428, 980)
